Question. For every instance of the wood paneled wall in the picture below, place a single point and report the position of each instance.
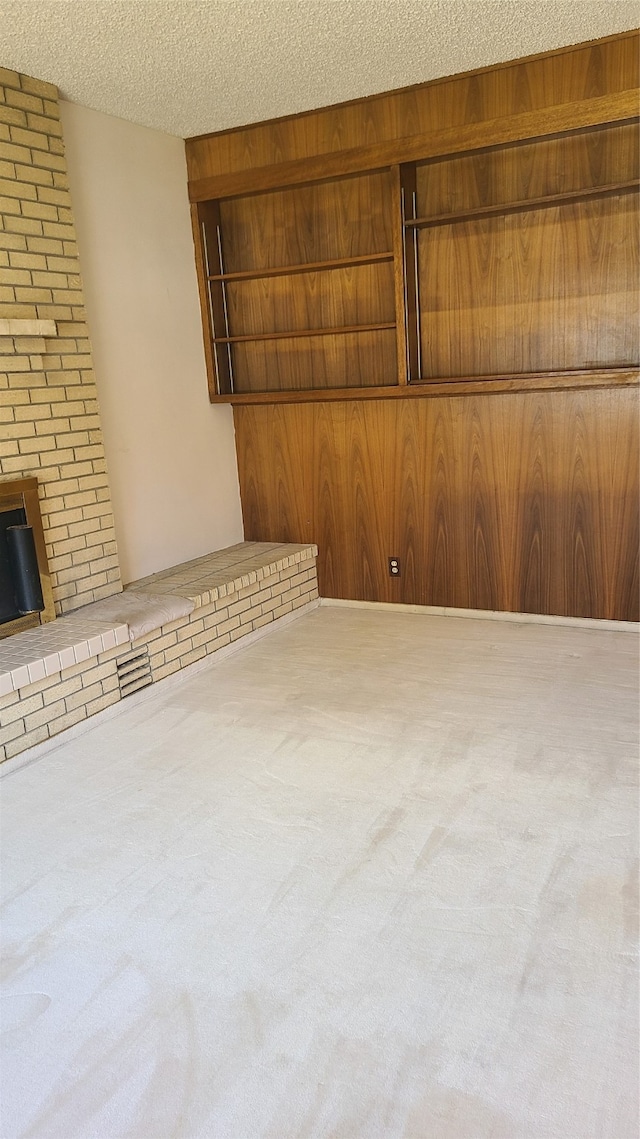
(526, 502)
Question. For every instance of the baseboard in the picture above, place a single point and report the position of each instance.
(33, 754)
(488, 615)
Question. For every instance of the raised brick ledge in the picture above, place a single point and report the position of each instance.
(82, 635)
(277, 585)
(207, 579)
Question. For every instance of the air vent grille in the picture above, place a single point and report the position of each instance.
(134, 672)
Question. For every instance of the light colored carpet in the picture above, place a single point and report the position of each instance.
(373, 876)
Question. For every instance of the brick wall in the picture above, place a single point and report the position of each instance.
(49, 416)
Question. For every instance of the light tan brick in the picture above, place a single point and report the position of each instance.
(190, 629)
(192, 656)
(17, 364)
(14, 153)
(9, 188)
(12, 241)
(45, 715)
(24, 225)
(30, 138)
(101, 672)
(12, 116)
(11, 729)
(38, 210)
(44, 125)
(102, 702)
(227, 626)
(37, 736)
(85, 696)
(25, 100)
(9, 78)
(38, 87)
(46, 245)
(25, 706)
(49, 280)
(61, 723)
(35, 175)
(10, 205)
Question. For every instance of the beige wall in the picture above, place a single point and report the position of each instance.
(170, 454)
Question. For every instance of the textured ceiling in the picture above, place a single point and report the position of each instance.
(193, 66)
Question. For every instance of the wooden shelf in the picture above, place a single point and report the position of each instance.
(305, 267)
(578, 380)
(547, 201)
(339, 330)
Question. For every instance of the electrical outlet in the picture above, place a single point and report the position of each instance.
(394, 567)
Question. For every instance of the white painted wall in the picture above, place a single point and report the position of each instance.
(170, 453)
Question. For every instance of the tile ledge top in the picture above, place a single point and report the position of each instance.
(28, 657)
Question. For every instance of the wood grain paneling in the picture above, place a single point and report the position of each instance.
(532, 170)
(546, 288)
(492, 498)
(531, 292)
(345, 218)
(571, 74)
(350, 218)
(526, 502)
(360, 295)
(588, 114)
(350, 360)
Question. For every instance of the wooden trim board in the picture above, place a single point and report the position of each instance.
(487, 615)
(562, 118)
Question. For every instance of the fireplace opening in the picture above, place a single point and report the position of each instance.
(25, 586)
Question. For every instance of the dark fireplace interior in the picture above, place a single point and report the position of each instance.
(9, 609)
(25, 584)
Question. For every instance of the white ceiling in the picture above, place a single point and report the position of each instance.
(192, 66)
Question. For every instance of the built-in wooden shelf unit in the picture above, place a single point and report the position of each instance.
(509, 258)
(423, 306)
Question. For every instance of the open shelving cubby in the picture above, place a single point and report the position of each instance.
(300, 287)
(520, 259)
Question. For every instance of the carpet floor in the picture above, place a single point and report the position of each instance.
(372, 877)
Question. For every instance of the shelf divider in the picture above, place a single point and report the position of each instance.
(408, 207)
(399, 277)
(299, 332)
(304, 267)
(546, 201)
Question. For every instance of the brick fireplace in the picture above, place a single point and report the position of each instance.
(108, 644)
(49, 416)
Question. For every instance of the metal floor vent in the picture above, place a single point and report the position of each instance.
(134, 672)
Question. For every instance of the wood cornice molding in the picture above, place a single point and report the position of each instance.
(559, 119)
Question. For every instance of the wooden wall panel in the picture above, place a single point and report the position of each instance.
(538, 291)
(526, 502)
(345, 218)
(533, 170)
(535, 290)
(362, 294)
(352, 360)
(571, 74)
